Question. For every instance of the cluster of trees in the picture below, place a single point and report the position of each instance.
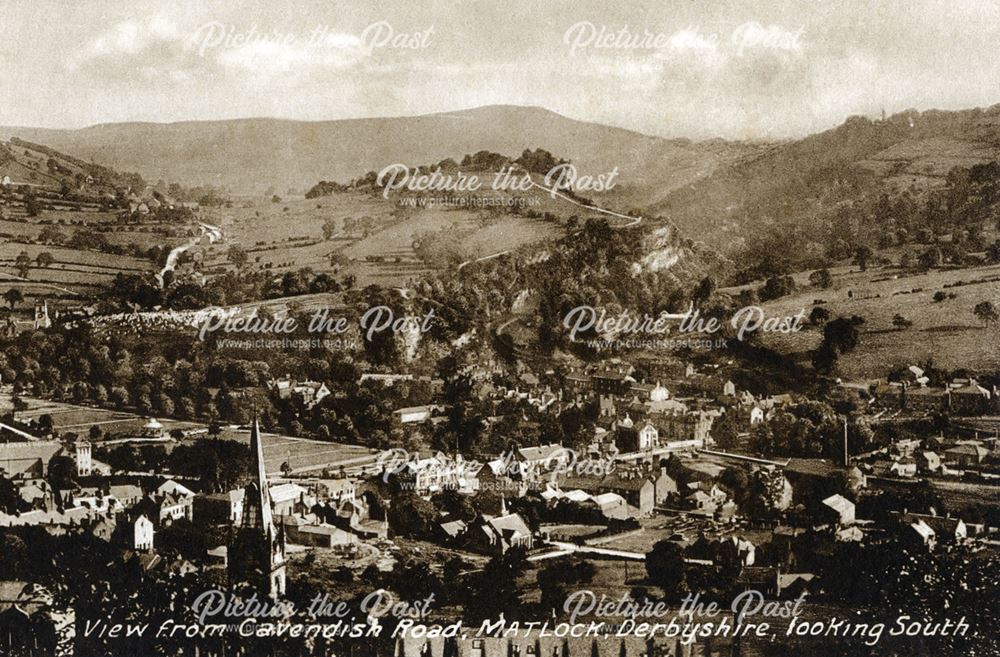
(220, 465)
(185, 377)
(840, 336)
(842, 214)
(537, 161)
(811, 429)
(143, 291)
(203, 195)
(893, 577)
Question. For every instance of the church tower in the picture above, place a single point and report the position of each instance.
(257, 552)
(84, 460)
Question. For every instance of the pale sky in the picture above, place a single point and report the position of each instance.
(698, 68)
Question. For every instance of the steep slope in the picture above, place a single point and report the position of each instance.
(24, 163)
(799, 187)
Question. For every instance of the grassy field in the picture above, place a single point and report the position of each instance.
(74, 273)
(946, 332)
(289, 234)
(299, 453)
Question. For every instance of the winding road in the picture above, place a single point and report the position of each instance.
(214, 235)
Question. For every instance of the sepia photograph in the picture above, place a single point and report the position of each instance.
(651, 328)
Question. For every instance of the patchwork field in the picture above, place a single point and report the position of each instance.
(946, 332)
(73, 273)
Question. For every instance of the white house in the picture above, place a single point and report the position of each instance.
(138, 533)
(659, 393)
(841, 508)
(412, 414)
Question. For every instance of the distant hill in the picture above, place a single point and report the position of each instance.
(854, 184)
(253, 155)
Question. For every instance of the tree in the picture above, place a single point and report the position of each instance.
(777, 286)
(31, 205)
(704, 290)
(44, 259)
(986, 312)
(494, 589)
(665, 567)
(9, 497)
(862, 256)
(737, 481)
(22, 263)
(95, 432)
(841, 335)
(119, 396)
(51, 235)
(901, 322)
(44, 424)
(411, 515)
(821, 278)
(940, 296)
(13, 296)
(62, 469)
(329, 228)
(726, 429)
(818, 315)
(237, 256)
(555, 579)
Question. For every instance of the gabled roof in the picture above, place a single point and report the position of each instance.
(973, 450)
(121, 491)
(453, 527)
(229, 496)
(28, 597)
(16, 458)
(609, 499)
(609, 483)
(284, 492)
(943, 525)
(922, 529)
(539, 453)
(839, 503)
(510, 524)
(927, 392)
(171, 486)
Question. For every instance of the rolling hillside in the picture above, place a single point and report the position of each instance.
(253, 155)
(64, 233)
(804, 191)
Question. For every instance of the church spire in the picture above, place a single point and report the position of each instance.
(261, 502)
(257, 554)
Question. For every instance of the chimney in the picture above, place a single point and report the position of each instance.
(847, 456)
